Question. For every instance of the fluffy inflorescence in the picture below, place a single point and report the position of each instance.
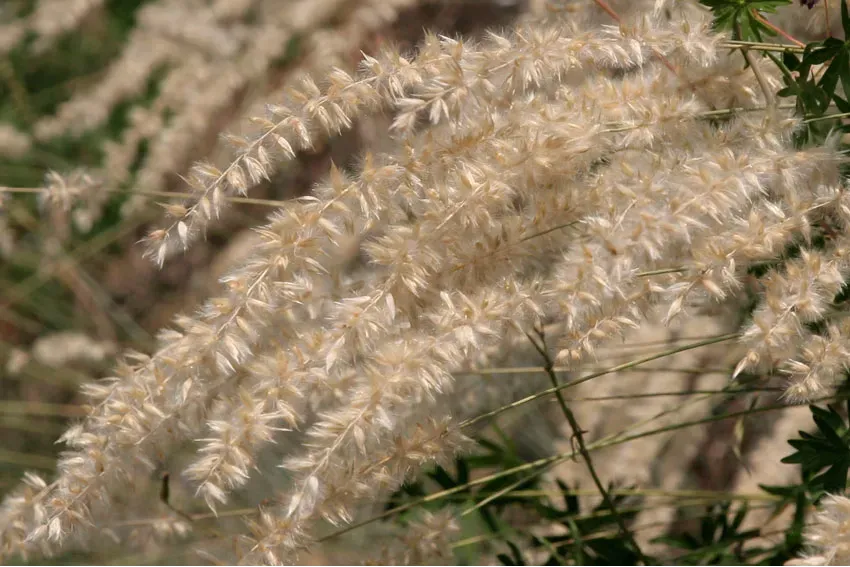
(561, 174)
(828, 535)
(205, 57)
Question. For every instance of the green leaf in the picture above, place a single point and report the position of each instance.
(737, 16)
(825, 454)
(845, 19)
(790, 60)
(442, 478)
(822, 55)
(462, 471)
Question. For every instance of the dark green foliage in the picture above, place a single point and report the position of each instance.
(740, 16)
(792, 543)
(718, 541)
(591, 539)
(815, 95)
(825, 455)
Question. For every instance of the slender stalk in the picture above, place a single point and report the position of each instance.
(687, 498)
(769, 99)
(827, 117)
(677, 393)
(828, 23)
(660, 272)
(472, 540)
(578, 436)
(720, 113)
(630, 364)
(608, 10)
(532, 465)
(154, 194)
(508, 489)
(761, 46)
(780, 31)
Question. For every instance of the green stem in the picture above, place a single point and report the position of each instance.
(578, 435)
(630, 364)
(556, 459)
(761, 46)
